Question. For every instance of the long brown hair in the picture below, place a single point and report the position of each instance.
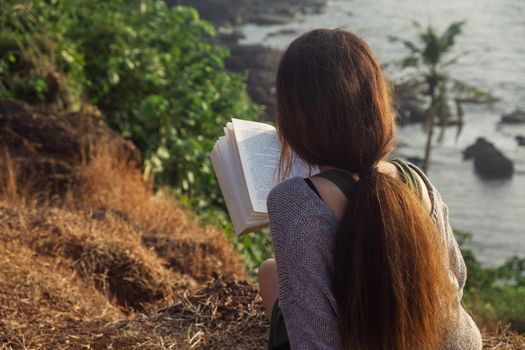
(391, 277)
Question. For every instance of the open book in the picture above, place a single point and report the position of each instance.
(246, 161)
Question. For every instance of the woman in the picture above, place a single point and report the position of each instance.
(365, 256)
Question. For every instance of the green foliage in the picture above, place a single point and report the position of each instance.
(431, 47)
(37, 63)
(149, 69)
(494, 294)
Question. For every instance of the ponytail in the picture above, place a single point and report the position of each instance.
(390, 278)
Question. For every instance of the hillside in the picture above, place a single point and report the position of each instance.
(91, 257)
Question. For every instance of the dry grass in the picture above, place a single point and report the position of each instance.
(84, 270)
(503, 339)
(165, 228)
(223, 314)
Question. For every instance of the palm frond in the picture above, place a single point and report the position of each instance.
(407, 43)
(455, 59)
(417, 26)
(467, 93)
(410, 61)
(449, 36)
(432, 49)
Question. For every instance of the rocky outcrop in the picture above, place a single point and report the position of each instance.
(516, 117)
(46, 145)
(494, 165)
(521, 140)
(489, 162)
(236, 12)
(479, 148)
(409, 103)
(261, 65)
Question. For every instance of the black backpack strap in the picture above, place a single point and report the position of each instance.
(312, 186)
(341, 179)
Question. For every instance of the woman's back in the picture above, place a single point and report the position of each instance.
(304, 231)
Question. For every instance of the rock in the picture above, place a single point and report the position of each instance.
(489, 162)
(521, 140)
(481, 147)
(409, 102)
(271, 18)
(283, 32)
(516, 117)
(410, 112)
(494, 165)
(47, 145)
(262, 63)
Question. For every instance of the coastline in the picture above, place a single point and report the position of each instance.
(487, 209)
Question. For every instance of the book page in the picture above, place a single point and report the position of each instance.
(225, 173)
(259, 152)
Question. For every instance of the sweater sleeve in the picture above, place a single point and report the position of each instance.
(465, 334)
(457, 264)
(304, 265)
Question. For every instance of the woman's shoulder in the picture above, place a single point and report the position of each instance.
(290, 188)
(293, 197)
(293, 203)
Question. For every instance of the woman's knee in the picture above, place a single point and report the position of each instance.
(268, 286)
(267, 270)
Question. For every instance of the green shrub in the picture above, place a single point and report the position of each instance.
(38, 63)
(494, 294)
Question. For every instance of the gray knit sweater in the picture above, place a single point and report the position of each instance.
(303, 232)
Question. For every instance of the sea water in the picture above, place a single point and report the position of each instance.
(492, 49)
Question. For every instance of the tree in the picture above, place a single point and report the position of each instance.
(430, 56)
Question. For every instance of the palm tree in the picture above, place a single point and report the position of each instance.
(430, 55)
